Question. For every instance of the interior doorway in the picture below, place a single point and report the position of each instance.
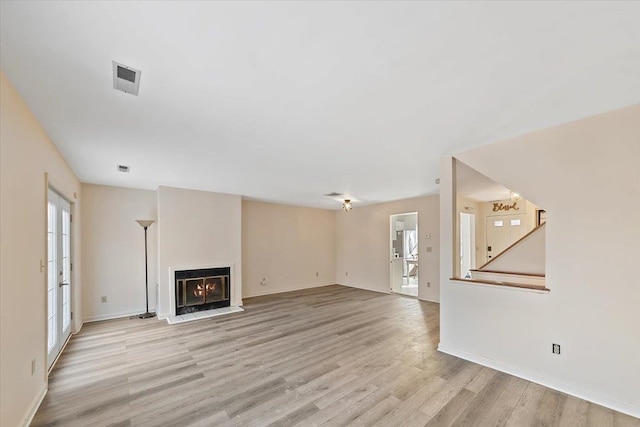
(58, 274)
(404, 264)
(467, 244)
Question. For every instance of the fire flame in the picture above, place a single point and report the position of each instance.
(201, 289)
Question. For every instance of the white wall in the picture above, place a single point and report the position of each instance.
(363, 246)
(287, 246)
(26, 155)
(113, 251)
(197, 229)
(592, 256)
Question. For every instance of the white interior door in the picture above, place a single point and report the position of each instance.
(58, 274)
(503, 231)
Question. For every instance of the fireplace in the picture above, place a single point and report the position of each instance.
(202, 289)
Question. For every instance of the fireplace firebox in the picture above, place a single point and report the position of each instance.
(202, 289)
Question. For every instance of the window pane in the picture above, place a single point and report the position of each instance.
(50, 246)
(65, 222)
(515, 222)
(66, 315)
(498, 223)
(52, 335)
(50, 297)
(52, 217)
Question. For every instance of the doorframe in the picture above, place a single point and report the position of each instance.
(472, 239)
(50, 184)
(390, 251)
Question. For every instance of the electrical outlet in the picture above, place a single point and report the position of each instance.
(429, 249)
(33, 367)
(263, 282)
(103, 299)
(555, 348)
(317, 274)
(346, 273)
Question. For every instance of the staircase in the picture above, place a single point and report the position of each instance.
(522, 263)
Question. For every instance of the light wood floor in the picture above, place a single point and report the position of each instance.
(331, 355)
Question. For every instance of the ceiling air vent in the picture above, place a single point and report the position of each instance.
(334, 194)
(126, 79)
(123, 168)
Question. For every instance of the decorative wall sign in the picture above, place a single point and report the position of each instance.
(497, 207)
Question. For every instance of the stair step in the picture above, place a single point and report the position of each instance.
(507, 276)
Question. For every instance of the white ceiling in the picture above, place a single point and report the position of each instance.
(472, 185)
(287, 101)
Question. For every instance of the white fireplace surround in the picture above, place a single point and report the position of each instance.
(235, 287)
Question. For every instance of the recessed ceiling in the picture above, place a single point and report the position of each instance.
(281, 101)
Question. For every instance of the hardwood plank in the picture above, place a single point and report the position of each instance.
(574, 412)
(452, 410)
(485, 398)
(525, 411)
(498, 414)
(323, 356)
(599, 416)
(551, 407)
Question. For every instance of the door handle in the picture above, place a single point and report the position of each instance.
(61, 284)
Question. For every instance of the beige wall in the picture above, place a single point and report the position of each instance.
(26, 155)
(591, 258)
(363, 245)
(287, 246)
(113, 251)
(197, 229)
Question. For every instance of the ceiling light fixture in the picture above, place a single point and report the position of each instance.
(346, 205)
(515, 197)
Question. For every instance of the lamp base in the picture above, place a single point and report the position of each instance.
(146, 315)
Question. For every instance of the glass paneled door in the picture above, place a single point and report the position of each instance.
(58, 274)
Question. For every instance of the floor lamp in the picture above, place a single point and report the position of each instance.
(145, 223)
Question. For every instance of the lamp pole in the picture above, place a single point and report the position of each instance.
(145, 223)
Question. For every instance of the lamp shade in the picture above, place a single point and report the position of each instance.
(145, 222)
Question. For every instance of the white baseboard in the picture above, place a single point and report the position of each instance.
(33, 408)
(110, 316)
(429, 300)
(616, 405)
